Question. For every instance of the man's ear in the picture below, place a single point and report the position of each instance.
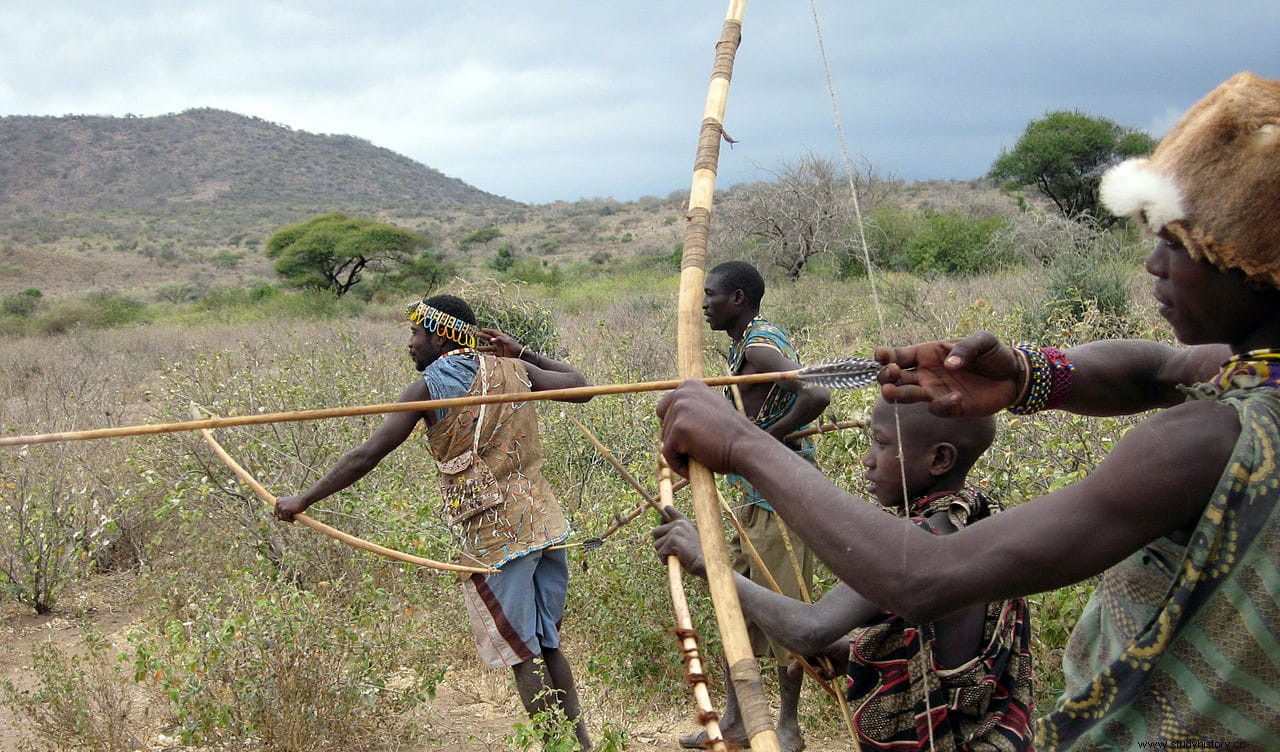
(738, 297)
(944, 458)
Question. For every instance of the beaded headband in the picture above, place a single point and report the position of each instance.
(443, 324)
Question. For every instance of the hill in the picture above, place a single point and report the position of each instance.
(173, 207)
(134, 204)
(208, 156)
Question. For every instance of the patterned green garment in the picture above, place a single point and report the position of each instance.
(1181, 644)
(779, 401)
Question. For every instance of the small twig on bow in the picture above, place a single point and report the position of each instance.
(829, 427)
(591, 544)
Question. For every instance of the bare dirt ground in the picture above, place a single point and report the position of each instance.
(474, 709)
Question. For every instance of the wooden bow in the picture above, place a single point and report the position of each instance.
(262, 493)
(744, 671)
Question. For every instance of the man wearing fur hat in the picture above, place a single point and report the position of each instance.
(1181, 519)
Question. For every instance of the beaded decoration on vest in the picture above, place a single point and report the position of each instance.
(1248, 370)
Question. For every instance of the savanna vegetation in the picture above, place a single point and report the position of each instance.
(264, 636)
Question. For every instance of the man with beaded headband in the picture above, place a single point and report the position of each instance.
(1177, 645)
(492, 490)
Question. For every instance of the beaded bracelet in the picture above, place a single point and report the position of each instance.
(1049, 379)
(1063, 375)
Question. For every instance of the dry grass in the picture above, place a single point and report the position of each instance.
(195, 536)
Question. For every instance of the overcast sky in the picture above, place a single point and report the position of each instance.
(545, 101)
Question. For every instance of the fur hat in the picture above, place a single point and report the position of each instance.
(1213, 182)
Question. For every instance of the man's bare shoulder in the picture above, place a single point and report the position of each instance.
(1156, 481)
(765, 358)
(1200, 434)
(1169, 463)
(415, 392)
(1203, 420)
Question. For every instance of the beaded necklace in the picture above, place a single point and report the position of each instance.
(961, 506)
(459, 351)
(737, 350)
(1249, 369)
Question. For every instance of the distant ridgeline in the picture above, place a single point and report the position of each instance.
(211, 159)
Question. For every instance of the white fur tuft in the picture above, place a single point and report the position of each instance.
(1133, 189)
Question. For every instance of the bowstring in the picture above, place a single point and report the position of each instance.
(875, 300)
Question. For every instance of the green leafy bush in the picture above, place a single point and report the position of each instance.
(100, 310)
(889, 231)
(480, 236)
(503, 260)
(82, 699)
(1087, 284)
(289, 668)
(52, 523)
(953, 243)
(533, 272)
(21, 303)
(530, 323)
(1074, 291)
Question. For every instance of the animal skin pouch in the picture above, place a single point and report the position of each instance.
(467, 487)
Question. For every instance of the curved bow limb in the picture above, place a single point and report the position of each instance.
(744, 670)
(694, 675)
(355, 542)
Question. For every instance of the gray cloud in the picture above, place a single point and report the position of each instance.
(544, 101)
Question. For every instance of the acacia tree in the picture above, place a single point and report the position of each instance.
(1064, 155)
(804, 213)
(332, 251)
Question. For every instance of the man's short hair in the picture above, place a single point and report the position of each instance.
(452, 305)
(739, 275)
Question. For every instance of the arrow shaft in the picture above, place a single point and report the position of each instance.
(388, 407)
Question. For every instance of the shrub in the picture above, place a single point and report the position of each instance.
(181, 292)
(311, 305)
(952, 243)
(117, 310)
(532, 272)
(81, 701)
(1076, 287)
(52, 523)
(1053, 615)
(888, 232)
(503, 260)
(21, 303)
(290, 668)
(425, 273)
(530, 323)
(480, 236)
(1086, 282)
(101, 310)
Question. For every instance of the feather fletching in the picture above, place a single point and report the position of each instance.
(843, 373)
